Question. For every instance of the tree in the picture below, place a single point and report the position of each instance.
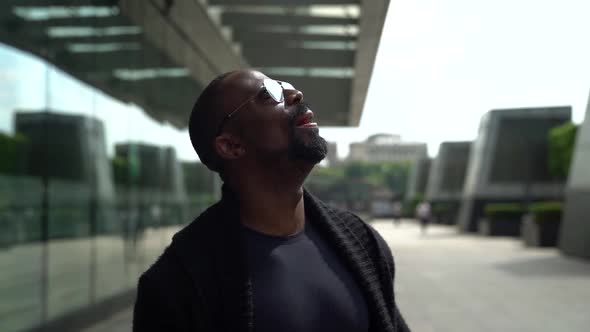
(562, 140)
(13, 153)
(354, 182)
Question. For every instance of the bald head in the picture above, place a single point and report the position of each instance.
(218, 99)
(262, 130)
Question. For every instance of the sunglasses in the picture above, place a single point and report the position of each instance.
(275, 89)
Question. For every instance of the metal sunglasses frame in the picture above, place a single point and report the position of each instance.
(267, 81)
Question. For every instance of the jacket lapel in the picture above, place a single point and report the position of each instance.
(355, 255)
(230, 264)
(212, 243)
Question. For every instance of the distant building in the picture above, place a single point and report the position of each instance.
(446, 179)
(66, 147)
(418, 178)
(332, 156)
(387, 147)
(508, 162)
(157, 168)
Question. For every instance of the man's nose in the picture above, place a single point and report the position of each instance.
(293, 97)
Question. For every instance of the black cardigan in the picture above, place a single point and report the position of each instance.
(200, 282)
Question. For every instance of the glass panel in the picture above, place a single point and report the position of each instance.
(92, 188)
(63, 136)
(21, 249)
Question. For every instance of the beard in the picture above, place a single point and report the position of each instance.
(306, 144)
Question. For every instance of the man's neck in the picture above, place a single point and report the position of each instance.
(272, 204)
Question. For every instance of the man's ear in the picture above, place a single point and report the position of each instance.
(228, 146)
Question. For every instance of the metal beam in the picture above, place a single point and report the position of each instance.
(94, 22)
(282, 2)
(58, 3)
(175, 94)
(249, 37)
(61, 42)
(109, 61)
(244, 19)
(187, 34)
(372, 19)
(296, 57)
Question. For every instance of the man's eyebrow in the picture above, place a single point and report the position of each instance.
(260, 91)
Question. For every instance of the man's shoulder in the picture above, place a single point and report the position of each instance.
(350, 218)
(189, 243)
(342, 214)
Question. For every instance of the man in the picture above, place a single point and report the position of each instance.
(423, 215)
(397, 213)
(269, 256)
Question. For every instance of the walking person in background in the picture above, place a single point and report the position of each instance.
(397, 213)
(423, 214)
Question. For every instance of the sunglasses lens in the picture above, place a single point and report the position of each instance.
(287, 86)
(274, 89)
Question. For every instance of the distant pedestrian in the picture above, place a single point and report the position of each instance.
(397, 213)
(423, 213)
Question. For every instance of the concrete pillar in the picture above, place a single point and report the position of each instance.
(575, 227)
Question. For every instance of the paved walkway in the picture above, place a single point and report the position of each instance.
(451, 282)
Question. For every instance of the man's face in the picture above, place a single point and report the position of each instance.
(270, 129)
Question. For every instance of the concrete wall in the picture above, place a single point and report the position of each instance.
(418, 178)
(509, 160)
(447, 173)
(575, 228)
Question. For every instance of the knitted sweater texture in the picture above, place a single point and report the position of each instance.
(201, 281)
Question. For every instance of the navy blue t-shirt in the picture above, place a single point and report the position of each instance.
(300, 284)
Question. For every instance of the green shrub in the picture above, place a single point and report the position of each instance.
(12, 153)
(503, 210)
(562, 140)
(120, 170)
(547, 211)
(541, 207)
(441, 207)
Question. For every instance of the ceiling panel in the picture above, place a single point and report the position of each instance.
(288, 57)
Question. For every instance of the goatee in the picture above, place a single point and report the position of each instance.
(307, 145)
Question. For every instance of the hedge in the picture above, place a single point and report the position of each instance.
(547, 211)
(562, 140)
(499, 210)
(12, 153)
(441, 207)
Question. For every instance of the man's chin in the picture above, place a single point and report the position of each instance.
(312, 152)
(311, 160)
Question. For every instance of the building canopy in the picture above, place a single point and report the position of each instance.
(160, 54)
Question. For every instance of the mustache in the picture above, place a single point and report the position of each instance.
(298, 111)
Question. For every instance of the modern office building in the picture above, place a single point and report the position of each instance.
(509, 163)
(93, 196)
(386, 147)
(446, 179)
(575, 227)
(418, 179)
(332, 156)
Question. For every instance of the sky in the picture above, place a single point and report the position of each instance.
(439, 67)
(442, 64)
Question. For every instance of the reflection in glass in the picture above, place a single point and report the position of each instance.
(89, 193)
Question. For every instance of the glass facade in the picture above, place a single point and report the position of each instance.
(523, 141)
(91, 188)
